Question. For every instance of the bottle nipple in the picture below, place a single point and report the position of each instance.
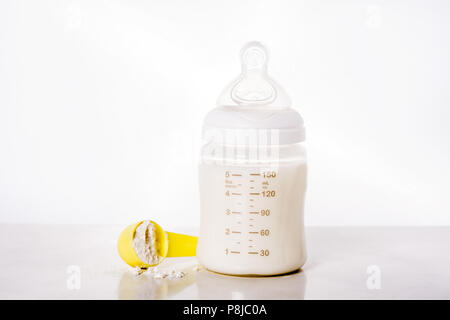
(254, 88)
(254, 85)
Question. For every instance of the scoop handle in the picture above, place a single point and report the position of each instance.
(181, 245)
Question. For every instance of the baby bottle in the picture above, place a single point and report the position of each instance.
(252, 176)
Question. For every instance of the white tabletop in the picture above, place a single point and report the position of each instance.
(81, 262)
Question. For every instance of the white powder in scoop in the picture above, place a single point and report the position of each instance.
(144, 243)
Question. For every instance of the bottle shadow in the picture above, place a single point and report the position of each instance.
(218, 286)
(207, 285)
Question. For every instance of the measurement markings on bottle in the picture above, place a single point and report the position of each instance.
(253, 192)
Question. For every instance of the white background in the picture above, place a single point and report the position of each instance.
(101, 104)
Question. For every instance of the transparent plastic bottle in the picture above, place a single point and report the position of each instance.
(252, 177)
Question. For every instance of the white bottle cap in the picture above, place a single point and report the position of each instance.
(255, 102)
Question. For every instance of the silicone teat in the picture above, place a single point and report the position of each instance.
(254, 87)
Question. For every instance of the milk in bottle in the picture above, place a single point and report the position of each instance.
(252, 177)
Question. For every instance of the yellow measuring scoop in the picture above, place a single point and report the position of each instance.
(168, 244)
